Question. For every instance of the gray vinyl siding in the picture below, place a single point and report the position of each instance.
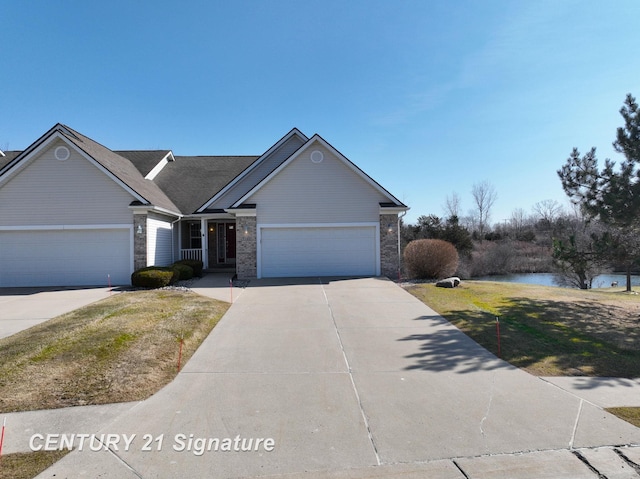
(265, 167)
(71, 192)
(326, 192)
(159, 242)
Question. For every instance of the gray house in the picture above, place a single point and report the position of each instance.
(73, 212)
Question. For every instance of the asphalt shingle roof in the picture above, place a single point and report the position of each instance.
(191, 181)
(121, 168)
(8, 156)
(144, 160)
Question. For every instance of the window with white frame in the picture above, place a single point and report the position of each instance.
(195, 236)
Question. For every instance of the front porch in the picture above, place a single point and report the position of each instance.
(212, 241)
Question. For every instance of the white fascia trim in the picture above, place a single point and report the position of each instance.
(261, 226)
(394, 210)
(158, 168)
(242, 212)
(340, 156)
(142, 209)
(66, 227)
(253, 165)
(211, 216)
(2, 153)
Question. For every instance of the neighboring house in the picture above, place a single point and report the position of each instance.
(73, 212)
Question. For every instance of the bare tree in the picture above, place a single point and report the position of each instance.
(484, 196)
(548, 211)
(451, 205)
(518, 221)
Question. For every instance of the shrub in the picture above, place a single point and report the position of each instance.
(154, 277)
(430, 259)
(184, 271)
(195, 264)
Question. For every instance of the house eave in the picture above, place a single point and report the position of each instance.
(243, 210)
(232, 183)
(155, 171)
(317, 138)
(389, 209)
(139, 209)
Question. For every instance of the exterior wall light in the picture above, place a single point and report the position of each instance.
(389, 228)
(139, 229)
(246, 230)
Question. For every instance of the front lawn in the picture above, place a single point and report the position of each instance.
(124, 348)
(546, 331)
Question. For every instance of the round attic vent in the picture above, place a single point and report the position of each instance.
(62, 153)
(317, 156)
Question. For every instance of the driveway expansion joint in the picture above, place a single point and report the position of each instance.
(353, 383)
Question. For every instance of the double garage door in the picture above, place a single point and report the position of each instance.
(71, 257)
(318, 251)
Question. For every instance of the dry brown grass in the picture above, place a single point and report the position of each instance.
(547, 331)
(28, 465)
(120, 349)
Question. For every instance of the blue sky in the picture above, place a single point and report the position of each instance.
(428, 97)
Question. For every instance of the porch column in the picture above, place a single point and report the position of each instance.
(204, 231)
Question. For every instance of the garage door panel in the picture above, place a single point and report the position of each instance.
(318, 251)
(65, 257)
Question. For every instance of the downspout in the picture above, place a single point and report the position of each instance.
(399, 247)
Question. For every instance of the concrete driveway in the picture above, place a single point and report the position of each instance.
(351, 379)
(21, 308)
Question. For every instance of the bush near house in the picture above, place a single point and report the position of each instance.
(195, 264)
(430, 259)
(154, 277)
(184, 271)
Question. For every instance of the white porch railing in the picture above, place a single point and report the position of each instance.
(191, 254)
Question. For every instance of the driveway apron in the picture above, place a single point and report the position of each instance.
(341, 374)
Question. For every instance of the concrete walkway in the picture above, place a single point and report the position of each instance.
(353, 379)
(21, 308)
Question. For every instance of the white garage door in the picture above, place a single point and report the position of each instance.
(65, 257)
(318, 251)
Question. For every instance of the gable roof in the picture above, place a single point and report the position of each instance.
(262, 167)
(318, 139)
(191, 180)
(124, 170)
(118, 167)
(185, 185)
(144, 160)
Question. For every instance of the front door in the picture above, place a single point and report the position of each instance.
(226, 243)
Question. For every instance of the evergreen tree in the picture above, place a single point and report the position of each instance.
(612, 194)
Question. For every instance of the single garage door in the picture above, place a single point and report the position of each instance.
(318, 251)
(65, 257)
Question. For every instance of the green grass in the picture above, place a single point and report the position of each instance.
(546, 331)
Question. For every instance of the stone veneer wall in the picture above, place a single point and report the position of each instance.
(389, 261)
(139, 242)
(246, 247)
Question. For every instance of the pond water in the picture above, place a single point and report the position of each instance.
(548, 279)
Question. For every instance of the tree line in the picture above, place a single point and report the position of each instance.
(599, 233)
